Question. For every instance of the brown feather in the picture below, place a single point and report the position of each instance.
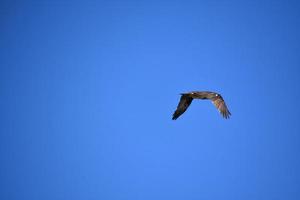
(184, 103)
(221, 106)
(187, 98)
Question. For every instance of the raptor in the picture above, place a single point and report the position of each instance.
(187, 98)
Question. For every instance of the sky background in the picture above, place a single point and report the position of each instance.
(88, 90)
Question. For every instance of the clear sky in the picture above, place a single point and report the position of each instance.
(88, 89)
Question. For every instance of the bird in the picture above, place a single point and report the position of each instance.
(187, 98)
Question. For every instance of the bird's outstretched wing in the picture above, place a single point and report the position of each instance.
(221, 106)
(184, 103)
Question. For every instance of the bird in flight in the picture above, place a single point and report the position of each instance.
(187, 98)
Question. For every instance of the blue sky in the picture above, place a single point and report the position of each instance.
(88, 89)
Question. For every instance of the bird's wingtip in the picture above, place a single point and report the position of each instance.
(174, 117)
